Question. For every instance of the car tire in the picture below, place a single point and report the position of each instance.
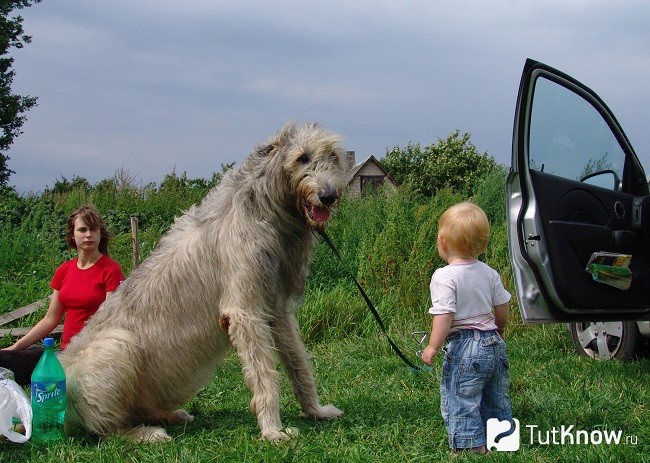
(606, 340)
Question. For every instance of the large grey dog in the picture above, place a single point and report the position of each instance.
(230, 271)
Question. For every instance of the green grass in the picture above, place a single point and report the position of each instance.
(391, 413)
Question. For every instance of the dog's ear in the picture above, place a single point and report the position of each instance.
(267, 150)
(286, 132)
(278, 140)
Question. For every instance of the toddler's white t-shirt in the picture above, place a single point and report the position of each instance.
(470, 290)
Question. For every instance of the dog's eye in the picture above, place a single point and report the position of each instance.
(304, 159)
(335, 158)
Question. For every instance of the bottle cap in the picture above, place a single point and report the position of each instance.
(48, 342)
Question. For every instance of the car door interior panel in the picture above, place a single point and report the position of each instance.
(578, 220)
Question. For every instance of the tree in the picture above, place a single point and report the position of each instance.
(12, 107)
(451, 163)
(595, 165)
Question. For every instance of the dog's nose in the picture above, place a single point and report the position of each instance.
(328, 196)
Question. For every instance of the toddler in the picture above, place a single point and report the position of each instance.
(470, 312)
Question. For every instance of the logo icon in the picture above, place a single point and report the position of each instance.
(503, 435)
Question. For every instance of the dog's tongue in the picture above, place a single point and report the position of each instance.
(319, 213)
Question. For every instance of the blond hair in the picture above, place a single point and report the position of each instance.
(465, 229)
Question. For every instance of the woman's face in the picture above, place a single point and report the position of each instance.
(84, 237)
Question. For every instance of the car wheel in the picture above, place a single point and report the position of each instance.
(606, 340)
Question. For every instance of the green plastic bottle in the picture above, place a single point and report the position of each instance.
(48, 396)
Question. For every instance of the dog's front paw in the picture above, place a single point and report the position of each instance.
(147, 434)
(323, 412)
(275, 435)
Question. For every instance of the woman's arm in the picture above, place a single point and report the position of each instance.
(44, 327)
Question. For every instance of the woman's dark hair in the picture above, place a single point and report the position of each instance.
(91, 217)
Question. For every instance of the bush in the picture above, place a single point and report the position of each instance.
(453, 163)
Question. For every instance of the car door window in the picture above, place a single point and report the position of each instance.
(569, 138)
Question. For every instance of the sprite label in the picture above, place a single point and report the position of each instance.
(44, 392)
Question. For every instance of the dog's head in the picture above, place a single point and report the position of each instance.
(312, 164)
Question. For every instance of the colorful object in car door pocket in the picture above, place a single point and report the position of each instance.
(611, 269)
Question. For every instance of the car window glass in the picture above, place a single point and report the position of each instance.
(569, 138)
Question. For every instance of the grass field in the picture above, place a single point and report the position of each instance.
(392, 414)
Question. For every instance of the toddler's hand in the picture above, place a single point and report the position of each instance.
(428, 354)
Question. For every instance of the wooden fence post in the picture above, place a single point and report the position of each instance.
(135, 241)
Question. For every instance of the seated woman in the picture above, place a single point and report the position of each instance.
(79, 285)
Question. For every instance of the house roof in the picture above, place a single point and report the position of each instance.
(372, 159)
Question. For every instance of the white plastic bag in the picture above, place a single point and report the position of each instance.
(14, 403)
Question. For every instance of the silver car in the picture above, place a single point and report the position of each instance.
(578, 208)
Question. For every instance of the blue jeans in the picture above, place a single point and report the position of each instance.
(474, 386)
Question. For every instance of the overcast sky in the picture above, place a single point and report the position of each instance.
(152, 87)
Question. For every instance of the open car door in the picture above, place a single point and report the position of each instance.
(575, 188)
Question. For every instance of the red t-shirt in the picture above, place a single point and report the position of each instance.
(81, 292)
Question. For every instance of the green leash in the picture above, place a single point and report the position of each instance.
(370, 305)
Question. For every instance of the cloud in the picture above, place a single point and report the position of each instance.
(151, 86)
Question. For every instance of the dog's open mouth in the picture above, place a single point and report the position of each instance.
(318, 214)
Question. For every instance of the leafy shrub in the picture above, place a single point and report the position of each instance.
(12, 206)
(451, 163)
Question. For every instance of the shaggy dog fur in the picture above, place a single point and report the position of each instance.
(230, 271)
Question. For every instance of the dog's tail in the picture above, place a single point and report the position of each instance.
(101, 381)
